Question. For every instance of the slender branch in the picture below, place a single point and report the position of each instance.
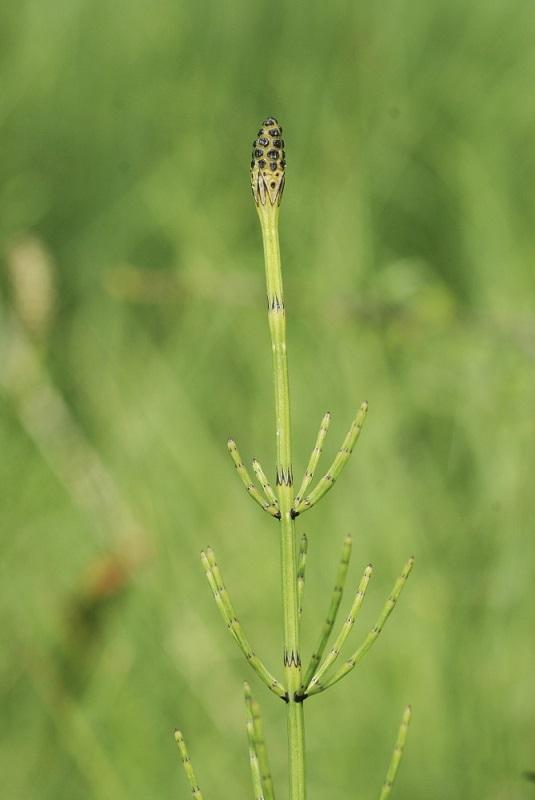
(333, 653)
(336, 599)
(314, 458)
(253, 760)
(254, 716)
(340, 460)
(188, 768)
(396, 755)
(372, 635)
(226, 609)
(241, 469)
(301, 567)
(265, 484)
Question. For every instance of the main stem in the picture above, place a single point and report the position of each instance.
(292, 660)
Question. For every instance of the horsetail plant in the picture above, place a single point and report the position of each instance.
(268, 169)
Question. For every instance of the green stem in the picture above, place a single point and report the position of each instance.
(332, 612)
(301, 569)
(396, 755)
(255, 717)
(372, 636)
(226, 610)
(314, 458)
(241, 469)
(268, 215)
(344, 633)
(188, 768)
(340, 460)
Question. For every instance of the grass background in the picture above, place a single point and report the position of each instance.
(134, 341)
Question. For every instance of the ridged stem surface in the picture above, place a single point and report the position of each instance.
(292, 660)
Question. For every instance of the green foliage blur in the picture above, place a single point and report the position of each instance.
(133, 341)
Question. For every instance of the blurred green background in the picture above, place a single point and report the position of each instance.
(134, 340)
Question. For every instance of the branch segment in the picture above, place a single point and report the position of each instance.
(313, 460)
(253, 760)
(344, 632)
(332, 612)
(188, 768)
(301, 568)
(229, 616)
(396, 755)
(267, 503)
(265, 484)
(370, 638)
(258, 744)
(340, 460)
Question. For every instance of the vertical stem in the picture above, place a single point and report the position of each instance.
(292, 660)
